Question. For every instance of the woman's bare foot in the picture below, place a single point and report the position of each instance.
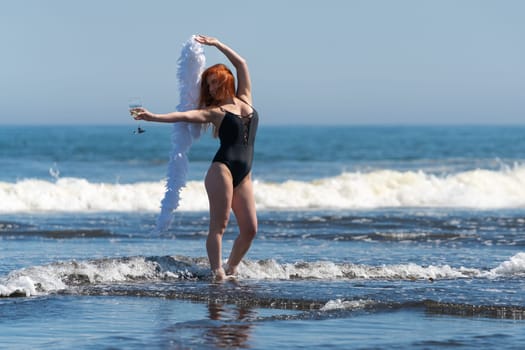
(231, 270)
(218, 275)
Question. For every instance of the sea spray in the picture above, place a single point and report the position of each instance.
(41, 280)
(477, 189)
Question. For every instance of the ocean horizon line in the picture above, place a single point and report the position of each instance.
(314, 125)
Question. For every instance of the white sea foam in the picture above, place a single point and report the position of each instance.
(63, 275)
(513, 267)
(54, 277)
(66, 275)
(271, 269)
(79, 195)
(339, 304)
(483, 189)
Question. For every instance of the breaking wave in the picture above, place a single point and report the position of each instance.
(59, 276)
(483, 189)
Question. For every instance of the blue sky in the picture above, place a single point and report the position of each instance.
(312, 62)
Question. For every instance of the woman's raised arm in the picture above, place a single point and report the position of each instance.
(244, 85)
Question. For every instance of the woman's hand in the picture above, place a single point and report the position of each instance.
(206, 40)
(141, 114)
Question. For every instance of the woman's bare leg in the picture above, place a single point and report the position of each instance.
(243, 205)
(220, 192)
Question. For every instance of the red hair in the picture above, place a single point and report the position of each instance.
(225, 89)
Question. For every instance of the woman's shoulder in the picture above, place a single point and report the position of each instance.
(246, 103)
(246, 98)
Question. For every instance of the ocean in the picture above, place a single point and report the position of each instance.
(370, 237)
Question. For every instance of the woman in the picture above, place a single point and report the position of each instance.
(228, 180)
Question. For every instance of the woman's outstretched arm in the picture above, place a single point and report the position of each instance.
(191, 116)
(244, 85)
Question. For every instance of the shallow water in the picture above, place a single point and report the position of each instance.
(159, 323)
(409, 238)
(373, 279)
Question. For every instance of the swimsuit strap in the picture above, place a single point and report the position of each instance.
(242, 116)
(245, 102)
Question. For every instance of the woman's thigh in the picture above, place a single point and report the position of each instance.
(220, 192)
(243, 204)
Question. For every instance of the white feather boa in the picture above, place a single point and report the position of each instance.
(190, 67)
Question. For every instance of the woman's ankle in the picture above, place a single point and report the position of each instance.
(218, 274)
(231, 269)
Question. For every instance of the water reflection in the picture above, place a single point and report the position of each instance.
(232, 327)
(223, 326)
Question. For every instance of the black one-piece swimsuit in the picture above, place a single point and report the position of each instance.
(237, 136)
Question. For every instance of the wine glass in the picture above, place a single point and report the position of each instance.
(134, 103)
